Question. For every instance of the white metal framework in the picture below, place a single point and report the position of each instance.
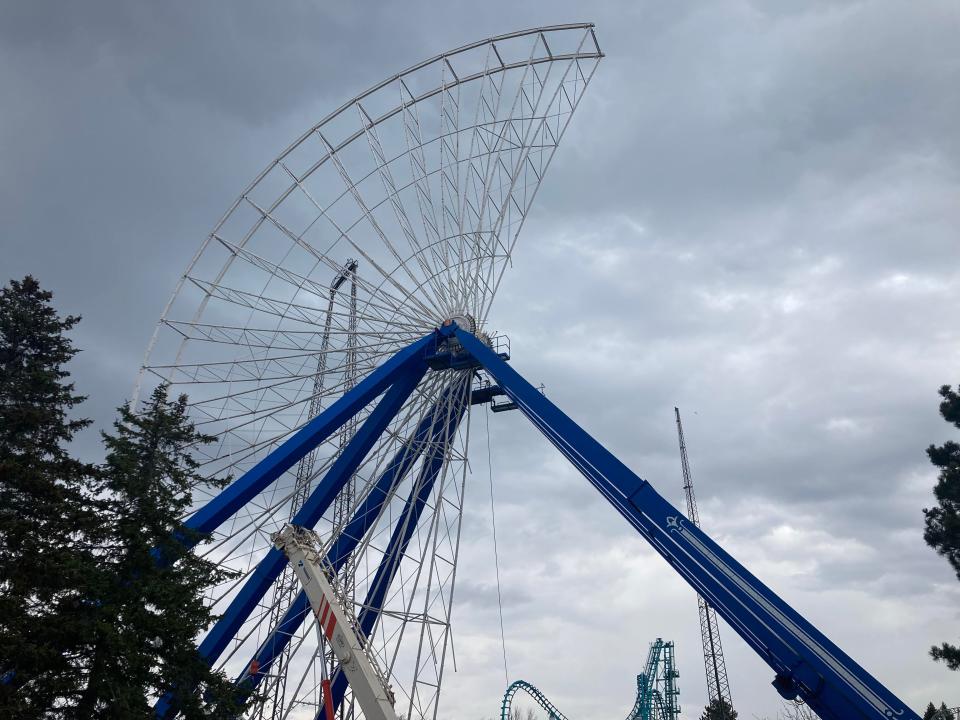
(398, 210)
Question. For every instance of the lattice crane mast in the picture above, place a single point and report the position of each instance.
(718, 687)
(272, 704)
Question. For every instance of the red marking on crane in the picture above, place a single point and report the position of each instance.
(327, 698)
(331, 624)
(324, 609)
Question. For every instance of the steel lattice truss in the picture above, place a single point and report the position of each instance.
(715, 667)
(398, 210)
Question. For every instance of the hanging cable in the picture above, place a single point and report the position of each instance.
(496, 554)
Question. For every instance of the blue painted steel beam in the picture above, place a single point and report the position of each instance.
(485, 394)
(805, 662)
(404, 377)
(429, 431)
(250, 484)
(310, 513)
(399, 540)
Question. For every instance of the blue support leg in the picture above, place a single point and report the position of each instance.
(399, 540)
(244, 489)
(309, 514)
(805, 662)
(428, 432)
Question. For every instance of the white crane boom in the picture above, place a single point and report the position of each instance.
(337, 624)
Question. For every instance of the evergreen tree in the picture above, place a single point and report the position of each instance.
(719, 709)
(151, 612)
(938, 713)
(47, 514)
(942, 531)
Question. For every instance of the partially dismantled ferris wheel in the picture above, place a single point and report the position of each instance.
(396, 212)
(332, 334)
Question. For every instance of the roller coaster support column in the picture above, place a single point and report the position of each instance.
(805, 662)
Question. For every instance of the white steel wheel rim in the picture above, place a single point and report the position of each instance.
(425, 181)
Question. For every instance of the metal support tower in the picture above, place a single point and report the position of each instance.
(657, 692)
(671, 692)
(344, 504)
(718, 686)
(272, 703)
(345, 500)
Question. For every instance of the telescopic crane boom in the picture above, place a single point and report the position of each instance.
(337, 625)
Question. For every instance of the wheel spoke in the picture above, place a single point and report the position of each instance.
(397, 211)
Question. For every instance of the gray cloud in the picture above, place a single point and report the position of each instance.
(754, 216)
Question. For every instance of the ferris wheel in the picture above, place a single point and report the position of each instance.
(398, 211)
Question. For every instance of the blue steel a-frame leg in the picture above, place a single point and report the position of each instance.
(309, 514)
(430, 432)
(398, 376)
(805, 662)
(244, 489)
(397, 547)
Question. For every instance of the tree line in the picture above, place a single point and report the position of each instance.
(91, 624)
(100, 599)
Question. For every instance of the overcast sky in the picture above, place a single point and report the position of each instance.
(754, 215)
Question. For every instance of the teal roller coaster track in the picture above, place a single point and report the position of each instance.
(657, 691)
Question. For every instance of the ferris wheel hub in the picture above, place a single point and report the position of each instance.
(463, 320)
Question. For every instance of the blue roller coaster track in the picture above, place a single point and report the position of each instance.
(538, 697)
(657, 691)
